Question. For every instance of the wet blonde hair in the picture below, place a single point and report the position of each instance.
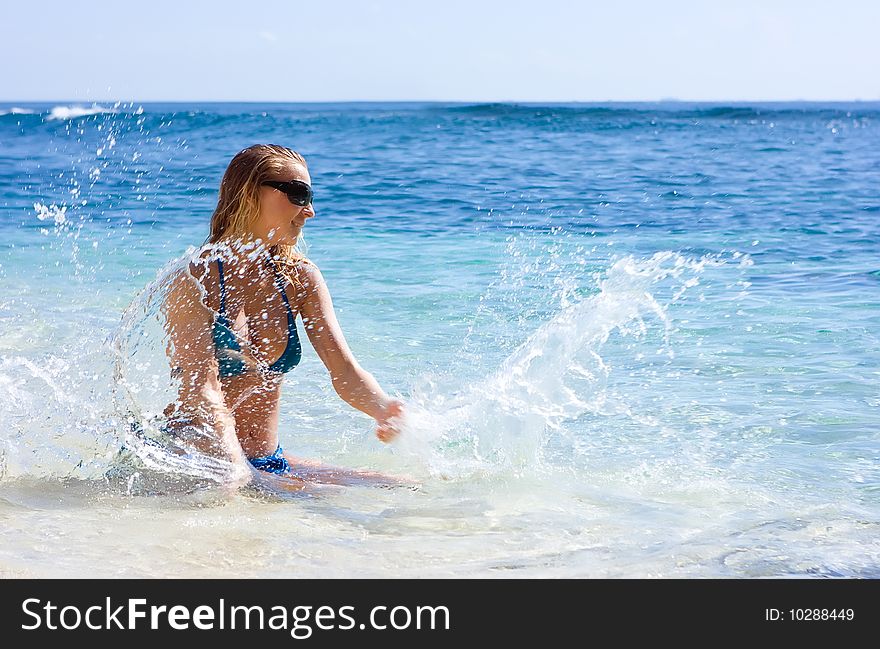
(239, 202)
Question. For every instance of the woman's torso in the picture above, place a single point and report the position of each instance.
(259, 307)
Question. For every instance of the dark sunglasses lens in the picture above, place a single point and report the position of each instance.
(300, 197)
(299, 194)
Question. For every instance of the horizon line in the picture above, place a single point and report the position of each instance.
(665, 100)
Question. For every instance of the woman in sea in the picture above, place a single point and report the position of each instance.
(231, 325)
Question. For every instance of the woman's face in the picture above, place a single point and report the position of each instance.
(280, 221)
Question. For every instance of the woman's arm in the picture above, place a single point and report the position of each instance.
(352, 383)
(200, 404)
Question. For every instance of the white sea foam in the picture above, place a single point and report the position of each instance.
(71, 112)
(16, 111)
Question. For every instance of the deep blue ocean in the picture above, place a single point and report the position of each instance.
(635, 340)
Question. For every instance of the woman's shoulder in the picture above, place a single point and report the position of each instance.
(184, 297)
(304, 276)
(189, 279)
(195, 266)
(301, 268)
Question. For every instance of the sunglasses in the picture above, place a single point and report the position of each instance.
(298, 192)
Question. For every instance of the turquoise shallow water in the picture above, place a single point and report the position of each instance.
(635, 339)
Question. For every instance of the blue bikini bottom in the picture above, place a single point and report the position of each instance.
(275, 463)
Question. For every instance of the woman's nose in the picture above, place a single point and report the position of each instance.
(309, 211)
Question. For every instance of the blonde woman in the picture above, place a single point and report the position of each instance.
(232, 330)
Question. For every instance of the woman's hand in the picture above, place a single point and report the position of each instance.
(389, 420)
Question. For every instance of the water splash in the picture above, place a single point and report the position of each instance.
(502, 422)
(144, 386)
(50, 427)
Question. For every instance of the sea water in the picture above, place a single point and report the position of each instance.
(634, 340)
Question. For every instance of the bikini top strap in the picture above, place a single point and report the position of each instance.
(279, 282)
(222, 287)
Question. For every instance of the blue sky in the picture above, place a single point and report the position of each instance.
(391, 50)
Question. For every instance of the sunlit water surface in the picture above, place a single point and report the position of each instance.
(634, 340)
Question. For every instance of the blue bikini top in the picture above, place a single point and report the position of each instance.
(225, 339)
